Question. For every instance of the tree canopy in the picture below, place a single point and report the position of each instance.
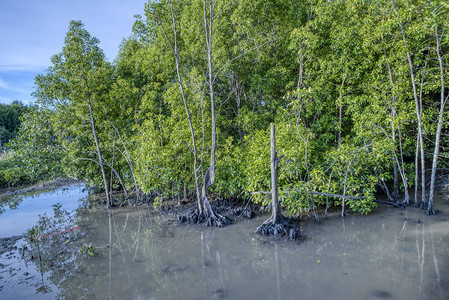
(357, 90)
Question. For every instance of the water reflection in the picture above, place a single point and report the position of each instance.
(138, 254)
(435, 261)
(20, 212)
(278, 270)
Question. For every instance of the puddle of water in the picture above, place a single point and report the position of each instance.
(139, 255)
(26, 211)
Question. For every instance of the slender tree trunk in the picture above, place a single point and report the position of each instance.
(208, 33)
(395, 167)
(420, 133)
(209, 179)
(395, 175)
(416, 170)
(205, 211)
(418, 114)
(186, 106)
(128, 159)
(402, 169)
(327, 196)
(274, 178)
(436, 152)
(339, 125)
(112, 164)
(393, 131)
(277, 224)
(301, 72)
(344, 190)
(239, 103)
(97, 146)
(340, 110)
(276, 216)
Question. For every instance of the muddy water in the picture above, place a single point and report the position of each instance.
(139, 254)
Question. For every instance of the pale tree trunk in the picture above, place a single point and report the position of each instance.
(204, 213)
(402, 169)
(112, 164)
(340, 112)
(186, 106)
(128, 160)
(395, 167)
(238, 98)
(436, 152)
(274, 178)
(97, 146)
(344, 190)
(277, 224)
(416, 170)
(420, 133)
(418, 111)
(212, 218)
(395, 171)
(393, 132)
(208, 25)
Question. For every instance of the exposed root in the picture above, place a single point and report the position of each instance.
(284, 227)
(406, 201)
(431, 211)
(247, 212)
(423, 204)
(395, 193)
(193, 216)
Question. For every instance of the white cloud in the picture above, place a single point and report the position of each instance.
(3, 84)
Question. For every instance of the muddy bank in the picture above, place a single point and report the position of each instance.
(20, 212)
(38, 187)
(7, 244)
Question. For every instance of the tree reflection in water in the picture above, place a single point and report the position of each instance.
(141, 254)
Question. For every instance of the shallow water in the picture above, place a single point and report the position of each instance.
(139, 254)
(21, 212)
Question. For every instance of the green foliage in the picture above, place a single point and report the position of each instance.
(332, 76)
(88, 249)
(11, 171)
(50, 227)
(36, 149)
(10, 120)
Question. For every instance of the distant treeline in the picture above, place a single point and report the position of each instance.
(10, 120)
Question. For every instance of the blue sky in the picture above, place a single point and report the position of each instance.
(32, 31)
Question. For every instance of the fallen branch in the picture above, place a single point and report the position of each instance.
(60, 232)
(337, 195)
(395, 204)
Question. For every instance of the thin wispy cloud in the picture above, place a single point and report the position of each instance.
(3, 84)
(7, 86)
(33, 31)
